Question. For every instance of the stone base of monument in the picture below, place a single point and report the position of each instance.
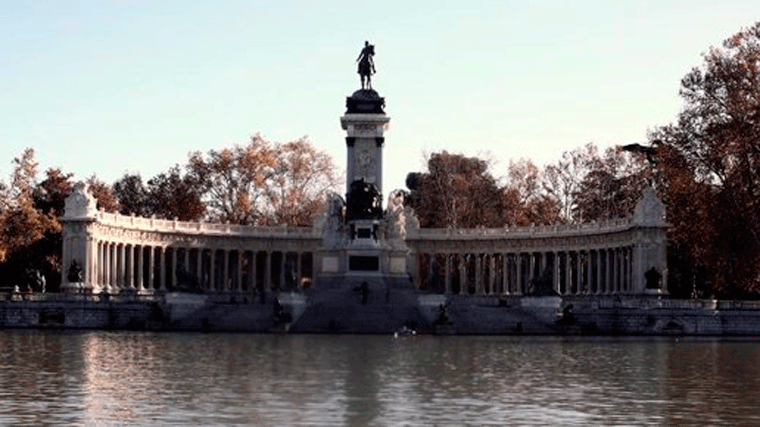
(361, 305)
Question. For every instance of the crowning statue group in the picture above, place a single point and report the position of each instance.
(366, 65)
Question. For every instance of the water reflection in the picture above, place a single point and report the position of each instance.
(125, 378)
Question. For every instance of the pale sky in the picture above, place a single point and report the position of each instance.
(109, 87)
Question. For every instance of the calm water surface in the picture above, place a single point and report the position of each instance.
(130, 378)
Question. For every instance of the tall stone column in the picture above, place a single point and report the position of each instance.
(173, 268)
(151, 268)
(226, 271)
(447, 269)
(555, 273)
(519, 265)
(491, 274)
(199, 266)
(283, 265)
(162, 268)
(532, 266)
(590, 272)
(140, 268)
(462, 274)
(106, 264)
(130, 266)
(268, 272)
(239, 271)
(568, 273)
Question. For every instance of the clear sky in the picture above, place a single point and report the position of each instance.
(108, 87)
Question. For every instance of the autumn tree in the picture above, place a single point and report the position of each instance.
(456, 192)
(103, 194)
(264, 183)
(132, 196)
(172, 194)
(26, 231)
(526, 201)
(710, 165)
(611, 186)
(562, 179)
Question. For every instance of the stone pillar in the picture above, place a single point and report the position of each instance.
(253, 271)
(151, 267)
(431, 272)
(590, 272)
(186, 259)
(173, 268)
(140, 268)
(447, 272)
(212, 270)
(518, 269)
(239, 272)
(120, 266)
(568, 273)
(532, 267)
(579, 274)
(478, 274)
(491, 274)
(162, 268)
(615, 272)
(268, 272)
(130, 266)
(283, 264)
(555, 273)
(106, 264)
(199, 267)
(462, 274)
(225, 270)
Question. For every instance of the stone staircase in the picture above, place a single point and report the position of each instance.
(366, 305)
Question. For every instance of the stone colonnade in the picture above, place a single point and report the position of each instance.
(142, 267)
(605, 258)
(144, 255)
(597, 271)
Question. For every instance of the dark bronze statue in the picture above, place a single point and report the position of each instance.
(363, 201)
(366, 65)
(541, 286)
(75, 273)
(653, 277)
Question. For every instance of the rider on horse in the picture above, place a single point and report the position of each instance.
(366, 65)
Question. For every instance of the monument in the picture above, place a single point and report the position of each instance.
(364, 281)
(363, 267)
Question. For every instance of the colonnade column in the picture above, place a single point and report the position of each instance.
(140, 270)
(162, 268)
(130, 266)
(447, 269)
(491, 274)
(518, 281)
(599, 283)
(461, 266)
(299, 273)
(268, 272)
(199, 267)
(555, 273)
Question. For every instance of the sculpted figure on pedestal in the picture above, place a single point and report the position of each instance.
(366, 65)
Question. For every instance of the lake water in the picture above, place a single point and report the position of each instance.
(134, 378)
